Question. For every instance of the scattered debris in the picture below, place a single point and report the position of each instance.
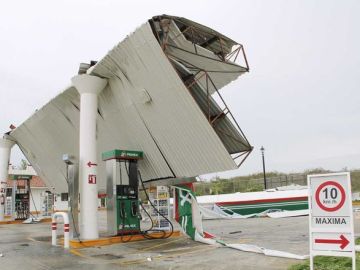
(149, 259)
(235, 232)
(32, 220)
(191, 222)
(285, 214)
(107, 256)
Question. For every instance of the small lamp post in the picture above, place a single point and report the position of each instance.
(262, 149)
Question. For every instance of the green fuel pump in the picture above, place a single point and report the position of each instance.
(123, 215)
(127, 203)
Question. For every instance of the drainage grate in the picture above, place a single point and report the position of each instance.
(107, 256)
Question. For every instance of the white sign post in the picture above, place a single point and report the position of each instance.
(331, 225)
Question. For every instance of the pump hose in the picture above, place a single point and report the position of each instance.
(33, 201)
(145, 233)
(122, 234)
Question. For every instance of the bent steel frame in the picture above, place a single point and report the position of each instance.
(226, 50)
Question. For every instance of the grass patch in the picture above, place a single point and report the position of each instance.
(357, 241)
(328, 263)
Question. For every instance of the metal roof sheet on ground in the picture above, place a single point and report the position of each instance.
(252, 196)
(145, 106)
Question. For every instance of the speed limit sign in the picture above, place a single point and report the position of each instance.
(330, 196)
(331, 218)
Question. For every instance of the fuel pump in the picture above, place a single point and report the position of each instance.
(122, 200)
(22, 196)
(128, 219)
(72, 178)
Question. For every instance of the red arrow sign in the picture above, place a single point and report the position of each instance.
(91, 164)
(343, 242)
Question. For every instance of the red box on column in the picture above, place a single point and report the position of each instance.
(92, 179)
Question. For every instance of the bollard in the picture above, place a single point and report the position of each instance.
(53, 233)
(66, 228)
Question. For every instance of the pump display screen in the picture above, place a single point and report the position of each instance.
(125, 191)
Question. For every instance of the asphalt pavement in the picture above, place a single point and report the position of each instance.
(27, 246)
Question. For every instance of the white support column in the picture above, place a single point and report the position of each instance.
(89, 87)
(5, 150)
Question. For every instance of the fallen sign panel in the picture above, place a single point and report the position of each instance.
(331, 218)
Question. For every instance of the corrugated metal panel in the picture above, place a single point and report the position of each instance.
(171, 129)
(53, 131)
(172, 117)
(44, 138)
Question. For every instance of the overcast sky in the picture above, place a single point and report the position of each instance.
(300, 100)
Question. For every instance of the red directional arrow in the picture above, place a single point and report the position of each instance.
(343, 242)
(91, 164)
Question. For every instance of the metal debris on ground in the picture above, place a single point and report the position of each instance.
(188, 215)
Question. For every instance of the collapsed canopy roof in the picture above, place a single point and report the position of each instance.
(163, 81)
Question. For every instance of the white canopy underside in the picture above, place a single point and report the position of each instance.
(171, 130)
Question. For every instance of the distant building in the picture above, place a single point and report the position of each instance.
(37, 199)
